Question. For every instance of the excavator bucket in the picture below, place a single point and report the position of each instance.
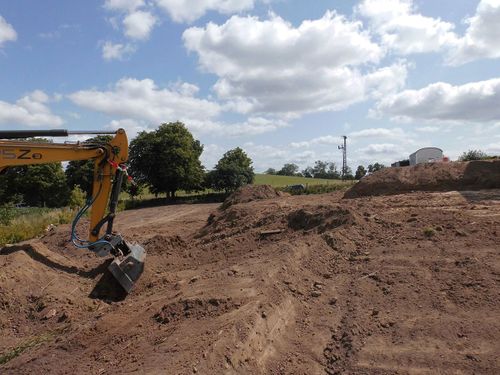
(128, 269)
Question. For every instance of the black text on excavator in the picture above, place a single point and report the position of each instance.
(109, 171)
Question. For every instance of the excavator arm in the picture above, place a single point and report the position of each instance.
(108, 159)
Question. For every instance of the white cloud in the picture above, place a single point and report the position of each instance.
(191, 10)
(123, 5)
(7, 32)
(31, 110)
(404, 30)
(323, 140)
(428, 129)
(482, 37)
(139, 24)
(381, 148)
(252, 126)
(476, 101)
(402, 136)
(132, 127)
(111, 51)
(143, 100)
(273, 67)
(394, 133)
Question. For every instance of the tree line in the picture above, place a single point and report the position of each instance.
(324, 170)
(165, 161)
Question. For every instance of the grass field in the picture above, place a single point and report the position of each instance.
(282, 181)
(32, 222)
(260, 179)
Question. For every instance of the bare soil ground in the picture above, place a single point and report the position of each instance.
(473, 175)
(405, 284)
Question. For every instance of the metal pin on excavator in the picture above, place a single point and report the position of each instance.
(109, 171)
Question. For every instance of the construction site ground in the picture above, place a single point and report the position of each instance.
(401, 284)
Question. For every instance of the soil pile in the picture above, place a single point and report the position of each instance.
(250, 193)
(285, 285)
(474, 175)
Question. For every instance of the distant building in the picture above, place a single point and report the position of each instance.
(426, 155)
(401, 163)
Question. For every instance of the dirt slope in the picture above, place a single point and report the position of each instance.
(474, 175)
(287, 285)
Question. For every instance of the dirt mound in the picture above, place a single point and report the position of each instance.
(250, 193)
(289, 285)
(194, 308)
(160, 244)
(320, 217)
(474, 175)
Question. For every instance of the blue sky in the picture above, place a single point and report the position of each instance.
(282, 79)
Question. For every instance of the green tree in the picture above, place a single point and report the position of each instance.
(360, 172)
(288, 169)
(324, 169)
(308, 172)
(372, 168)
(81, 172)
(167, 159)
(333, 173)
(134, 189)
(77, 197)
(35, 185)
(39, 185)
(233, 170)
(271, 171)
(348, 174)
(473, 155)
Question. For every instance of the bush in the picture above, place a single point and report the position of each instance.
(473, 155)
(32, 223)
(7, 213)
(77, 198)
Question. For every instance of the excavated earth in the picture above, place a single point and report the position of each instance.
(473, 175)
(404, 284)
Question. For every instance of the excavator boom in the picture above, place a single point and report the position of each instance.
(109, 171)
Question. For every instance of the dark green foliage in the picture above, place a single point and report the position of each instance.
(134, 190)
(348, 174)
(323, 169)
(271, 171)
(39, 185)
(360, 172)
(233, 170)
(473, 155)
(308, 172)
(35, 185)
(7, 213)
(81, 172)
(375, 167)
(288, 169)
(167, 159)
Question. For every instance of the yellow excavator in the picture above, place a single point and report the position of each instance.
(109, 172)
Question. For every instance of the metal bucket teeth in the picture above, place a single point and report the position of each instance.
(128, 270)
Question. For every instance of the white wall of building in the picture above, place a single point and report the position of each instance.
(426, 155)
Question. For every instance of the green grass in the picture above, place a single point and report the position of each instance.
(31, 343)
(32, 222)
(282, 181)
(429, 232)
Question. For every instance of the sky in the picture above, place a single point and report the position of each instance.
(282, 79)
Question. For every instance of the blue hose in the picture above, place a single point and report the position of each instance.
(84, 244)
